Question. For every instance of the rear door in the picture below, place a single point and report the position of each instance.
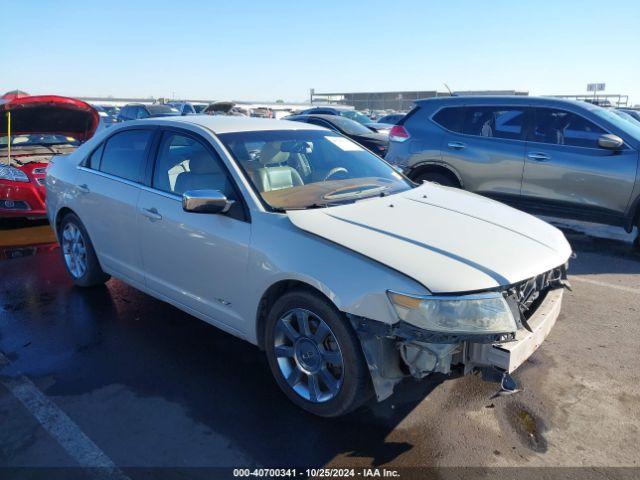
(196, 260)
(108, 187)
(486, 146)
(566, 170)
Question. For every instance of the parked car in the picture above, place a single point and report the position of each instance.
(626, 116)
(631, 111)
(551, 156)
(350, 114)
(185, 108)
(111, 110)
(225, 108)
(376, 142)
(136, 111)
(199, 107)
(106, 120)
(41, 127)
(280, 248)
(391, 119)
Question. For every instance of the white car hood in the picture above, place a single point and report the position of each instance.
(447, 239)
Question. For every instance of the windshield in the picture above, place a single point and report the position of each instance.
(38, 139)
(631, 128)
(294, 169)
(350, 127)
(357, 116)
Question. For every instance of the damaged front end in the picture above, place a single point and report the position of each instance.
(491, 332)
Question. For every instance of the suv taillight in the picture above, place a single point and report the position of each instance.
(398, 134)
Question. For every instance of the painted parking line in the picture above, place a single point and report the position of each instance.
(60, 426)
(622, 288)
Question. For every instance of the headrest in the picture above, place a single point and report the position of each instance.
(271, 154)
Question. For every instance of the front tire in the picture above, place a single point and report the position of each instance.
(78, 254)
(315, 355)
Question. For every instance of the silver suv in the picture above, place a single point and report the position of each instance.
(544, 155)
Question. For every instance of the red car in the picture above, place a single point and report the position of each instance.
(41, 127)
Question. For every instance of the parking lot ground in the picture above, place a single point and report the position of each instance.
(112, 375)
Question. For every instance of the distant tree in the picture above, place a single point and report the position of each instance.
(279, 101)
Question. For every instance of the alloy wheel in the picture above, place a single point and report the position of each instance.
(308, 355)
(74, 250)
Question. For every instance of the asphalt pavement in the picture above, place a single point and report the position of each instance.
(113, 378)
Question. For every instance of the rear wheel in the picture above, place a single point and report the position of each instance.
(78, 253)
(437, 178)
(315, 356)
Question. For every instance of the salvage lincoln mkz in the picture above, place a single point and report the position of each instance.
(298, 240)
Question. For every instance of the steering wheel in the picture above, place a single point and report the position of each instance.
(336, 171)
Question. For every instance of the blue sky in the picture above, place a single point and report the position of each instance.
(265, 50)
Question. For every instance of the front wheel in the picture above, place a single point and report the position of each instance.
(78, 253)
(315, 355)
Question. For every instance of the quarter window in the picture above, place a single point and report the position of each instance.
(125, 153)
(559, 127)
(495, 122)
(94, 159)
(184, 163)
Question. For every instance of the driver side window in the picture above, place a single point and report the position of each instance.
(560, 127)
(184, 163)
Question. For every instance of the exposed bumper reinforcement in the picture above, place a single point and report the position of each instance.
(509, 356)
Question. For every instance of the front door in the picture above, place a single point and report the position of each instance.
(196, 260)
(566, 169)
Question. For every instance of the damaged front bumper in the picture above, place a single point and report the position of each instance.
(399, 350)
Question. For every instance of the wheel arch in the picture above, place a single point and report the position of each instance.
(633, 220)
(59, 216)
(435, 166)
(275, 291)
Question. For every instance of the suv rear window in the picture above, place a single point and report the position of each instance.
(450, 118)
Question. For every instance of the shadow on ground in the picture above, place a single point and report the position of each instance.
(73, 342)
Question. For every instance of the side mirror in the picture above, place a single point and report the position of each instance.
(205, 201)
(610, 142)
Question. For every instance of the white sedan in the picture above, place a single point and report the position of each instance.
(304, 243)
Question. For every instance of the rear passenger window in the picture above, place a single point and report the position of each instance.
(125, 154)
(450, 118)
(559, 127)
(495, 122)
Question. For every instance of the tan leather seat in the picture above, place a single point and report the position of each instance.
(204, 174)
(273, 175)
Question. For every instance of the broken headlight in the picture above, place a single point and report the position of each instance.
(465, 314)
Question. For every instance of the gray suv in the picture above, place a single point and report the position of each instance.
(543, 155)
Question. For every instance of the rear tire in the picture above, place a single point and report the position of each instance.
(301, 357)
(437, 178)
(78, 255)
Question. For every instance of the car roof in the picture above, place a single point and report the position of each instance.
(501, 99)
(324, 116)
(230, 124)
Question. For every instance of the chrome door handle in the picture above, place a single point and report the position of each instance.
(151, 213)
(83, 188)
(539, 157)
(456, 145)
